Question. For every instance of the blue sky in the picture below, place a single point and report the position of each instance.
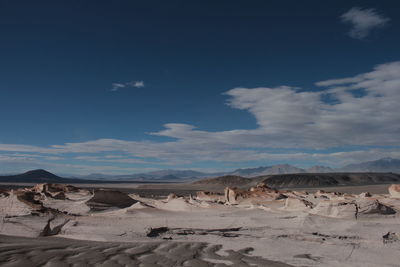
(130, 86)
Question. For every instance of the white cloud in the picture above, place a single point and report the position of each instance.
(25, 148)
(135, 84)
(364, 114)
(117, 86)
(363, 21)
(108, 158)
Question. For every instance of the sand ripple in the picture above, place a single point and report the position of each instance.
(49, 251)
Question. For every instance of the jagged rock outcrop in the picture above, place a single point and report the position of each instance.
(297, 204)
(54, 188)
(394, 190)
(171, 196)
(328, 195)
(372, 206)
(104, 199)
(391, 237)
(4, 192)
(30, 198)
(12, 205)
(56, 191)
(335, 209)
(329, 204)
(44, 198)
(48, 230)
(351, 209)
(209, 196)
(256, 195)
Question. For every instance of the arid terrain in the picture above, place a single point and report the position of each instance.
(63, 225)
(200, 133)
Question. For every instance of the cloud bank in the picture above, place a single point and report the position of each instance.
(348, 120)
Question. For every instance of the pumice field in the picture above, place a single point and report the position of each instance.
(62, 225)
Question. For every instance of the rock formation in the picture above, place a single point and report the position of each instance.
(394, 190)
(335, 209)
(104, 199)
(329, 204)
(11, 205)
(255, 195)
(297, 204)
(373, 206)
(209, 196)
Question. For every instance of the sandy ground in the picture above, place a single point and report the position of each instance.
(195, 233)
(51, 251)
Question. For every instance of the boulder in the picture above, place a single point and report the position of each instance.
(365, 195)
(391, 237)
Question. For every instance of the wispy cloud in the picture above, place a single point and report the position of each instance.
(117, 86)
(134, 84)
(363, 21)
(137, 84)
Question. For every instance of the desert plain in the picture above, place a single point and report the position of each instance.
(182, 225)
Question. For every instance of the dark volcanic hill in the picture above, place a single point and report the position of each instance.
(268, 170)
(227, 180)
(36, 176)
(329, 179)
(305, 180)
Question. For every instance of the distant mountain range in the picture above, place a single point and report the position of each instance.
(43, 176)
(279, 169)
(319, 169)
(38, 176)
(381, 165)
(275, 169)
(303, 180)
(173, 175)
(179, 175)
